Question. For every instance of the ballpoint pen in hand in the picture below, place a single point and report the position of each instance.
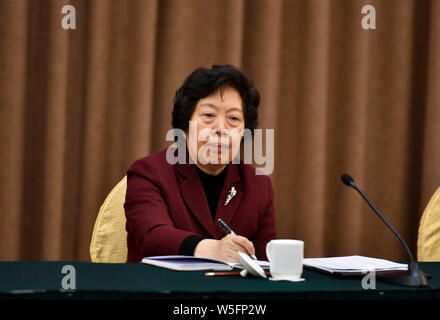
(228, 230)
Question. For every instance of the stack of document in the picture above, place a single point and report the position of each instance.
(352, 265)
(191, 263)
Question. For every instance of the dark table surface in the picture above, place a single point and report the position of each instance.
(43, 280)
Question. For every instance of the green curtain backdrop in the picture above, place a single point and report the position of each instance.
(77, 107)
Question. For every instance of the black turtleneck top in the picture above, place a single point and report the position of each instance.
(212, 185)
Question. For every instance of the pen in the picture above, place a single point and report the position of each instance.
(225, 227)
(214, 274)
(228, 230)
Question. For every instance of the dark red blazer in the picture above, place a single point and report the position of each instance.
(166, 203)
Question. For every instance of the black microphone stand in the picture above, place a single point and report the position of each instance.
(413, 277)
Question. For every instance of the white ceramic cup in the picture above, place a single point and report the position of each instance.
(286, 258)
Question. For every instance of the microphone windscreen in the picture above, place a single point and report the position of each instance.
(347, 179)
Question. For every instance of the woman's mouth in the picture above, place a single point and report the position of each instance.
(217, 146)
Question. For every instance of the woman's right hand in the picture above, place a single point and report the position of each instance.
(225, 249)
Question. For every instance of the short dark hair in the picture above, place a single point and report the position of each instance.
(203, 82)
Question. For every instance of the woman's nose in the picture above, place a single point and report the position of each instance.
(220, 126)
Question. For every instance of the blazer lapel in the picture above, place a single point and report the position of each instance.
(227, 211)
(194, 196)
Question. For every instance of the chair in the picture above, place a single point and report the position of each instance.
(109, 239)
(428, 242)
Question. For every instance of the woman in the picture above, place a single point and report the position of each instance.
(174, 208)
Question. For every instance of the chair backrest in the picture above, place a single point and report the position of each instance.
(109, 239)
(428, 242)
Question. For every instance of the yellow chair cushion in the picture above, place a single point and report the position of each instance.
(428, 243)
(109, 239)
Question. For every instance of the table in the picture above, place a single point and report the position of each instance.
(102, 281)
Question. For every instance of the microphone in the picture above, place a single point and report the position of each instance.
(412, 277)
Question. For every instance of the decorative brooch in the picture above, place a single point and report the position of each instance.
(231, 194)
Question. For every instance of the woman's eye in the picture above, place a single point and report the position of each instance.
(234, 119)
(209, 115)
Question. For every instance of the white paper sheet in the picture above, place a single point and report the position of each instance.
(353, 264)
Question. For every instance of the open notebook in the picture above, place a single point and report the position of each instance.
(191, 263)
